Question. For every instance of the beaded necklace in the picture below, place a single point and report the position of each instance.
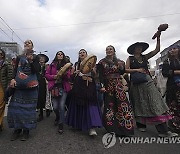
(139, 60)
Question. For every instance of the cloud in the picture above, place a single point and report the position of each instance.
(70, 25)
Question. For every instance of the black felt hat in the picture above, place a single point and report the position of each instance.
(43, 55)
(132, 47)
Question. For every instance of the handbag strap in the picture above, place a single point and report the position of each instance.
(19, 69)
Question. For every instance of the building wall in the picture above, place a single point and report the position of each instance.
(12, 49)
(165, 51)
(164, 54)
(158, 61)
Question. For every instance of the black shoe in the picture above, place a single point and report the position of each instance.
(60, 128)
(40, 118)
(25, 135)
(168, 134)
(55, 122)
(16, 134)
(48, 112)
(142, 129)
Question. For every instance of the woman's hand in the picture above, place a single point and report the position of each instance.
(141, 70)
(177, 72)
(55, 76)
(125, 88)
(13, 83)
(94, 69)
(103, 89)
(77, 72)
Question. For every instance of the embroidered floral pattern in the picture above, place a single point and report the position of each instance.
(124, 116)
(120, 94)
(117, 115)
(110, 114)
(110, 87)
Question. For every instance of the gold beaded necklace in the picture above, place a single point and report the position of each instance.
(139, 60)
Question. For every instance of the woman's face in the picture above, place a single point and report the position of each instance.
(138, 50)
(174, 52)
(110, 51)
(82, 54)
(28, 45)
(42, 59)
(60, 56)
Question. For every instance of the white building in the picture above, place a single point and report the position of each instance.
(12, 49)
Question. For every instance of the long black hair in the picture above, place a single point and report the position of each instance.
(115, 60)
(77, 64)
(63, 61)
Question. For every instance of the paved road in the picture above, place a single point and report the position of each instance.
(45, 140)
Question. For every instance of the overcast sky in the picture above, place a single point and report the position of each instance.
(70, 25)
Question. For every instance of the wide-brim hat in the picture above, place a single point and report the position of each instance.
(132, 47)
(43, 55)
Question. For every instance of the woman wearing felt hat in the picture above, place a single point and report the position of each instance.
(147, 101)
(42, 60)
(171, 70)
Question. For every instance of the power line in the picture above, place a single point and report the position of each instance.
(7, 29)
(13, 32)
(5, 33)
(99, 22)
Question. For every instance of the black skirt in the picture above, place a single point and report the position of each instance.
(84, 91)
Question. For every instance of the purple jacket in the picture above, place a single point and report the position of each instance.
(51, 71)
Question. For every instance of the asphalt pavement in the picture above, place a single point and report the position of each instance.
(45, 140)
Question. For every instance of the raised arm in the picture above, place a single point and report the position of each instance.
(154, 52)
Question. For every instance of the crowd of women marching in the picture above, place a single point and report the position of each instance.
(88, 95)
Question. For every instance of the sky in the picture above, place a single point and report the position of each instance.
(70, 25)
